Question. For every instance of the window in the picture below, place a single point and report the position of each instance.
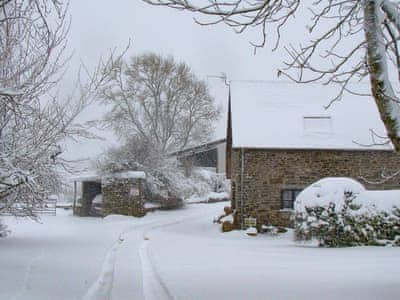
(317, 124)
(287, 198)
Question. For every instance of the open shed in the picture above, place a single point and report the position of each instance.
(117, 193)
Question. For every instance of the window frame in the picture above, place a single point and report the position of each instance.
(326, 129)
(293, 194)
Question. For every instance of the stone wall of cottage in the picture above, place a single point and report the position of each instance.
(123, 196)
(268, 172)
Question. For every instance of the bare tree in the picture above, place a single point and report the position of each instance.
(157, 106)
(355, 39)
(34, 121)
(160, 102)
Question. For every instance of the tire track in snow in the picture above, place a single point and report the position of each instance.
(154, 287)
(26, 284)
(101, 289)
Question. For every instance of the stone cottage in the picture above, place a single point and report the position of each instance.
(281, 137)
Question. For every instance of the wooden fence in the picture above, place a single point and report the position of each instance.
(47, 207)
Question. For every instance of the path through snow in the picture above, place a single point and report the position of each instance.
(101, 289)
(153, 285)
(26, 286)
(182, 255)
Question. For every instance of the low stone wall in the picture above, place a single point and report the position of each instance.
(267, 172)
(123, 196)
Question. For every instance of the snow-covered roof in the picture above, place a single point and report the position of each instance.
(200, 148)
(92, 176)
(286, 115)
(128, 175)
(88, 176)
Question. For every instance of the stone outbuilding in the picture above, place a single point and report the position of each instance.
(117, 193)
(281, 137)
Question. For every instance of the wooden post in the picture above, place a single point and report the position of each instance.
(74, 205)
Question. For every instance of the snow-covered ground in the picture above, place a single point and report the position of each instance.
(182, 255)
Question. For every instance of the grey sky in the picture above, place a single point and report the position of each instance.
(98, 26)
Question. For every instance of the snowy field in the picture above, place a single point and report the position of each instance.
(182, 255)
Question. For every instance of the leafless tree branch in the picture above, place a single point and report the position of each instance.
(33, 121)
(159, 100)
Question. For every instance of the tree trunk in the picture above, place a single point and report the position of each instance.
(381, 87)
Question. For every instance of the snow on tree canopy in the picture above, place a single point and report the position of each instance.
(334, 190)
(286, 115)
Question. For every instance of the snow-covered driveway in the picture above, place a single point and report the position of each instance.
(182, 255)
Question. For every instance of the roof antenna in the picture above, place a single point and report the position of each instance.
(223, 77)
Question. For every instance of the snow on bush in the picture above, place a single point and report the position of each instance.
(166, 181)
(200, 184)
(170, 177)
(207, 186)
(164, 177)
(340, 212)
(3, 230)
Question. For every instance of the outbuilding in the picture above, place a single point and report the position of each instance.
(117, 193)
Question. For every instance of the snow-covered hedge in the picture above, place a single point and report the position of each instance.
(340, 212)
(201, 185)
(206, 182)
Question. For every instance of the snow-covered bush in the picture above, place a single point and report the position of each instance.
(200, 184)
(166, 181)
(207, 186)
(340, 212)
(3, 229)
(211, 181)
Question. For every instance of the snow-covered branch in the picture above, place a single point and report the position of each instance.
(34, 121)
(158, 100)
(239, 14)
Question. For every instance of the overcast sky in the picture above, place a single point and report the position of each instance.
(98, 26)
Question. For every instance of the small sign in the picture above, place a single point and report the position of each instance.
(134, 192)
(164, 194)
(250, 222)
